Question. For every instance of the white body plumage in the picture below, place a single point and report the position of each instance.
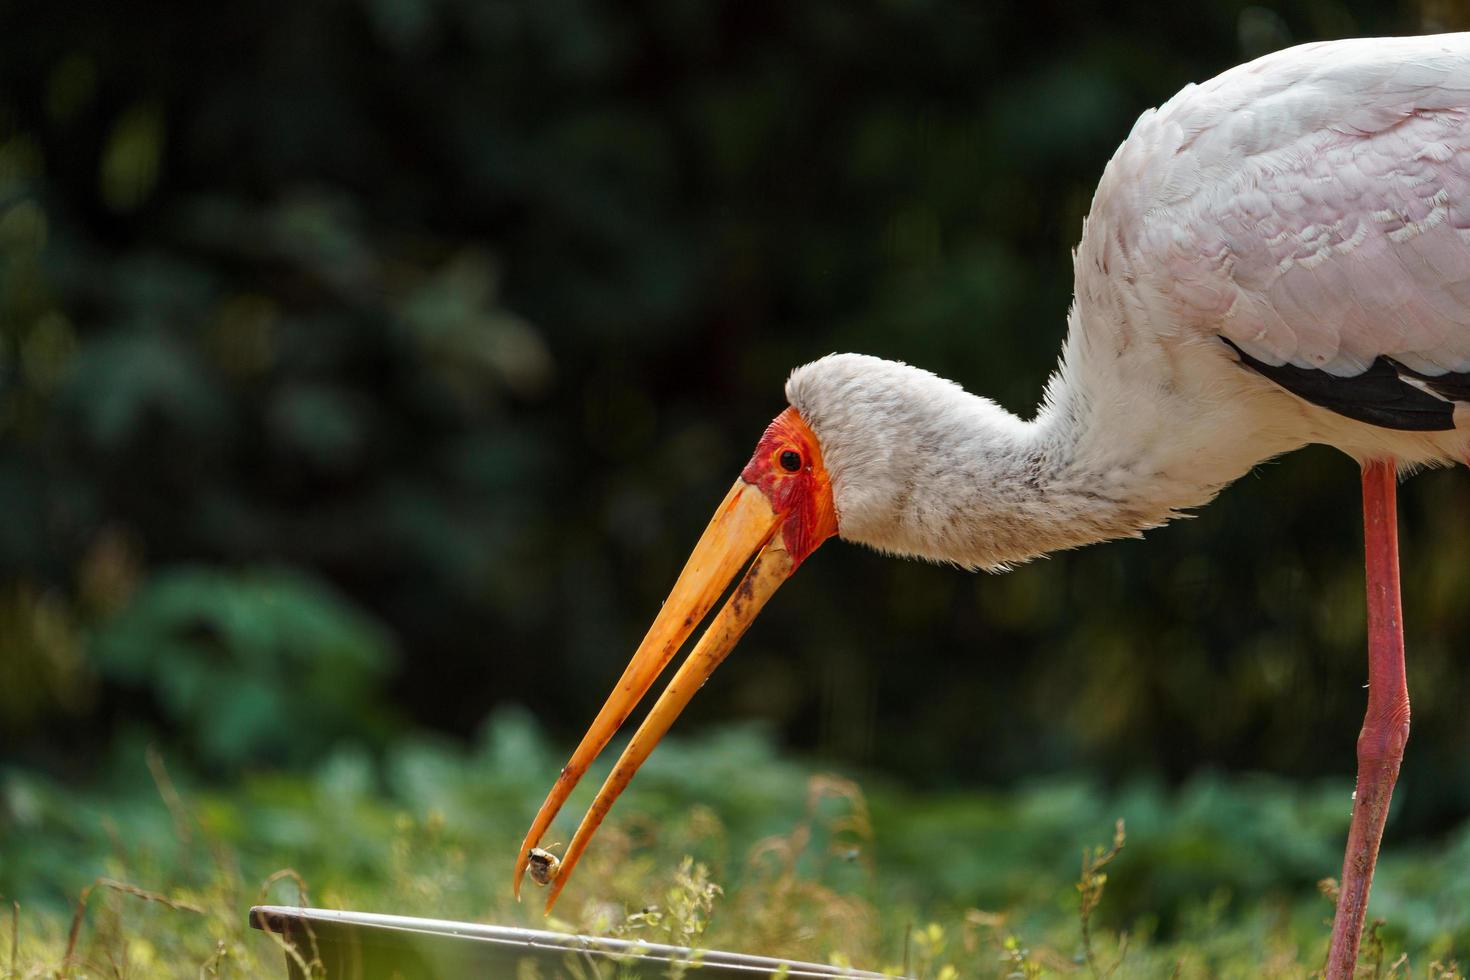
(1307, 212)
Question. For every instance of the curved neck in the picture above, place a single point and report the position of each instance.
(1013, 492)
(1088, 476)
(921, 467)
(1105, 457)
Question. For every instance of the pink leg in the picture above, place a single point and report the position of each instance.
(1386, 724)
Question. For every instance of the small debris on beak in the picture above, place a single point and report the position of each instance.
(543, 865)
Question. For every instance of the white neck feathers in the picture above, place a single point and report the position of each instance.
(921, 467)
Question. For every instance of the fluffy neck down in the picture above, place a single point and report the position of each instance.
(921, 467)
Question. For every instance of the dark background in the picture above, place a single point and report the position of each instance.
(368, 364)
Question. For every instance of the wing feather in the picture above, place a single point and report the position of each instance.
(1312, 207)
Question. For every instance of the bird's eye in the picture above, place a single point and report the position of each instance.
(791, 461)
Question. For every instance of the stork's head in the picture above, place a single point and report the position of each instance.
(844, 447)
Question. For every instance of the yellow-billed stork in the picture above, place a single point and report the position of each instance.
(1275, 257)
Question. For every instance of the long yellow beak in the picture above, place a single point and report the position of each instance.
(746, 523)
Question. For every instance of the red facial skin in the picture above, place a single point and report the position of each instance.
(803, 497)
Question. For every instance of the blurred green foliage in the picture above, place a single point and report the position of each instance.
(1217, 879)
(261, 667)
(369, 364)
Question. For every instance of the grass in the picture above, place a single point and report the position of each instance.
(721, 843)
